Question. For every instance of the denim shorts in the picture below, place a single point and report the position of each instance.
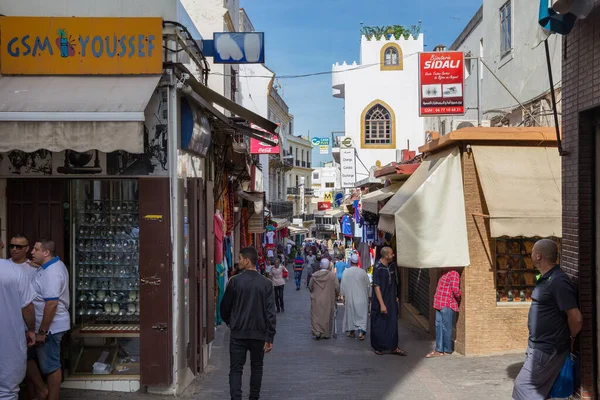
(48, 354)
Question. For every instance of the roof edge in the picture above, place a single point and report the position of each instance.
(537, 136)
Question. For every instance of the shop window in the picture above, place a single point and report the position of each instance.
(515, 273)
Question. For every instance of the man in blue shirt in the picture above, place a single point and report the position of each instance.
(340, 266)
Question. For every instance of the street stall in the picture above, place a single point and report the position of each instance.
(480, 199)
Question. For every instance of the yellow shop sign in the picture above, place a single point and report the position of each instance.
(80, 46)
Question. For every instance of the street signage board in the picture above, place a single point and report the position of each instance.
(239, 47)
(346, 142)
(258, 147)
(324, 205)
(339, 197)
(328, 196)
(348, 167)
(441, 83)
(80, 46)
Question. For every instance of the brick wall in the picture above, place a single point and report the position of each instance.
(581, 94)
(484, 327)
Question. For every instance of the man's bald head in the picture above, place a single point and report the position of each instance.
(386, 251)
(545, 252)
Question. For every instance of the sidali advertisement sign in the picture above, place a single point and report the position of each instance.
(441, 83)
(324, 205)
(80, 46)
(258, 147)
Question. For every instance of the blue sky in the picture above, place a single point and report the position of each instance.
(309, 36)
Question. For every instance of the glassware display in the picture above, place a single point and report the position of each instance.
(515, 272)
(106, 252)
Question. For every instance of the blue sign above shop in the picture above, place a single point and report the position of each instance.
(236, 48)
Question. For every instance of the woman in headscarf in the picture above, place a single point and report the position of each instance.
(324, 289)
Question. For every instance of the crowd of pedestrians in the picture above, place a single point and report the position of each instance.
(251, 302)
(34, 293)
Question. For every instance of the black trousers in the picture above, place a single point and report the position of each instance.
(279, 297)
(237, 358)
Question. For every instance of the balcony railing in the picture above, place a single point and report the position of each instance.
(305, 217)
(282, 209)
(294, 191)
(304, 164)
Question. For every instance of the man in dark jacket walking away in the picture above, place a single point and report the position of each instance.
(248, 308)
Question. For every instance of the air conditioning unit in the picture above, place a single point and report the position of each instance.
(468, 123)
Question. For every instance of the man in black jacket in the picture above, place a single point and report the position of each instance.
(248, 308)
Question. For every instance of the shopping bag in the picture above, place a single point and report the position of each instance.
(285, 273)
(564, 385)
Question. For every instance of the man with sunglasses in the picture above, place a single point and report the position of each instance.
(18, 248)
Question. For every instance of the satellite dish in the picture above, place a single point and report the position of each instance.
(464, 124)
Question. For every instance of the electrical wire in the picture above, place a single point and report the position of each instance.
(307, 75)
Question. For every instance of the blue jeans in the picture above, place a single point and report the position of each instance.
(298, 278)
(444, 321)
(48, 354)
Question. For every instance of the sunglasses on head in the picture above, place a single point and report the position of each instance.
(16, 246)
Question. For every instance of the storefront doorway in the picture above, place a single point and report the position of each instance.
(37, 208)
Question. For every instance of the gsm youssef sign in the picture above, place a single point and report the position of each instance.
(80, 46)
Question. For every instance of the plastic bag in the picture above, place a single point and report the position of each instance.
(564, 385)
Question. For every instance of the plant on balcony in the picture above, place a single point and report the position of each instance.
(397, 31)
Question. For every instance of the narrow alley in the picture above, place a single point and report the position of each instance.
(300, 367)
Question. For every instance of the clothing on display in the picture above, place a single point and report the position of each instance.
(219, 236)
(347, 226)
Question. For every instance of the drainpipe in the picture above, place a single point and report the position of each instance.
(172, 144)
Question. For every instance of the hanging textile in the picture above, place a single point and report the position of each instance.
(221, 291)
(347, 226)
(244, 228)
(219, 236)
(230, 199)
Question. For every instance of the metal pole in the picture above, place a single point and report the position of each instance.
(555, 111)
(479, 114)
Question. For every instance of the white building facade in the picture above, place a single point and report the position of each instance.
(326, 179)
(381, 100)
(505, 38)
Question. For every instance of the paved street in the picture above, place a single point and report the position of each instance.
(300, 367)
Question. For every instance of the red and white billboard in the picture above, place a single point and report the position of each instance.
(323, 205)
(258, 147)
(441, 83)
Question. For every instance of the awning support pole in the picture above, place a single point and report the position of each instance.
(480, 215)
(561, 152)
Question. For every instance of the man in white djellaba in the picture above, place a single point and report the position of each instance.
(355, 290)
(16, 297)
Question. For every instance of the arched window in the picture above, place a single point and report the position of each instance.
(378, 126)
(391, 57)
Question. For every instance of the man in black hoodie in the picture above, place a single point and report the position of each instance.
(248, 308)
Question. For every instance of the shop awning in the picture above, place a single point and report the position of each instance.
(281, 223)
(78, 113)
(297, 231)
(335, 213)
(427, 215)
(522, 189)
(370, 201)
(254, 197)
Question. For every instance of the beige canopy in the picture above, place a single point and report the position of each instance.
(79, 113)
(522, 189)
(428, 215)
(370, 201)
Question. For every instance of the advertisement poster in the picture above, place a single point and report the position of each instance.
(258, 147)
(348, 167)
(441, 83)
(324, 205)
